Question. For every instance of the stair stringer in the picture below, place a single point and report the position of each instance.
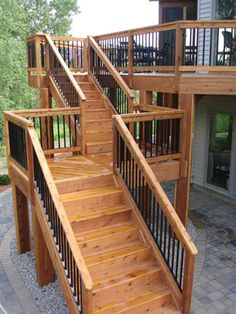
(147, 237)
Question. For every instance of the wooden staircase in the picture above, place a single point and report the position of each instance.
(101, 220)
(127, 277)
(98, 122)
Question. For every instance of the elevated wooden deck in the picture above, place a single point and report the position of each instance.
(92, 169)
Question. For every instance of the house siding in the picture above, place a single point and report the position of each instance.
(224, 104)
(205, 9)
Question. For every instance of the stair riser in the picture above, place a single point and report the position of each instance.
(95, 105)
(126, 289)
(99, 136)
(99, 125)
(84, 184)
(88, 87)
(96, 149)
(92, 95)
(149, 307)
(96, 223)
(110, 267)
(105, 114)
(81, 78)
(72, 207)
(98, 245)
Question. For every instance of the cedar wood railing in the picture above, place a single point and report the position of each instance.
(23, 146)
(172, 239)
(173, 47)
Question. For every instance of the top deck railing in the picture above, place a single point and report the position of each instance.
(173, 47)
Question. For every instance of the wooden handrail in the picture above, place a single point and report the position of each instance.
(207, 24)
(148, 116)
(140, 30)
(66, 69)
(47, 112)
(17, 119)
(155, 186)
(170, 26)
(87, 280)
(115, 74)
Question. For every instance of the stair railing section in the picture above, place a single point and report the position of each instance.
(109, 80)
(171, 237)
(57, 129)
(16, 134)
(157, 134)
(71, 49)
(44, 190)
(63, 78)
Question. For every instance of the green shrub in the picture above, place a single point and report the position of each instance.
(4, 179)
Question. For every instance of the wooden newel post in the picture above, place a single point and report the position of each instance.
(47, 60)
(88, 56)
(87, 299)
(83, 127)
(130, 58)
(178, 48)
(188, 282)
(30, 160)
(38, 59)
(115, 143)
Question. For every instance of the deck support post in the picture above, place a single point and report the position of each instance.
(43, 263)
(45, 100)
(182, 187)
(145, 97)
(21, 214)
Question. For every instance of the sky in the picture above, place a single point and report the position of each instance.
(106, 16)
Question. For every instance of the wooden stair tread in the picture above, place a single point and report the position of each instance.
(86, 194)
(113, 254)
(131, 272)
(146, 295)
(96, 213)
(105, 232)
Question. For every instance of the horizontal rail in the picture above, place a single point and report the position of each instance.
(47, 112)
(148, 116)
(169, 26)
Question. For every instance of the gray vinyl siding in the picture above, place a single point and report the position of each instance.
(207, 104)
(205, 12)
(206, 9)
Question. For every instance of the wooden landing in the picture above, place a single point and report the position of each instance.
(65, 166)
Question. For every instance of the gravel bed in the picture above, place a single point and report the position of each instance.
(49, 299)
